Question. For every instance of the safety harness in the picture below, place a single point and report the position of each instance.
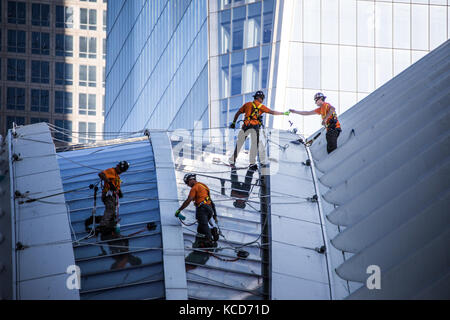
(208, 197)
(254, 115)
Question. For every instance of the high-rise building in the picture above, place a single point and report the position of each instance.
(53, 55)
(171, 63)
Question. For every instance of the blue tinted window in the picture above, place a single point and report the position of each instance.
(15, 98)
(16, 41)
(39, 100)
(16, 12)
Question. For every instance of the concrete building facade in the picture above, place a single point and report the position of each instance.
(53, 55)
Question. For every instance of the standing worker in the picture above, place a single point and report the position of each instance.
(252, 124)
(205, 210)
(329, 119)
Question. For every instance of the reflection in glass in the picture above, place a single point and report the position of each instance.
(253, 25)
(268, 16)
(251, 70)
(224, 78)
(224, 112)
(265, 66)
(235, 104)
(224, 3)
(237, 62)
(224, 31)
(238, 27)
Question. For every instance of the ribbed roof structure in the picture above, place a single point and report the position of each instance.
(387, 184)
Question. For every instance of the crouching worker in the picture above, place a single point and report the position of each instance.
(205, 210)
(108, 223)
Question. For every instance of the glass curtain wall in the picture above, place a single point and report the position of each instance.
(240, 63)
(156, 74)
(349, 48)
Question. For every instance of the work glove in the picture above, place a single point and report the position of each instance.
(287, 113)
(179, 215)
(233, 125)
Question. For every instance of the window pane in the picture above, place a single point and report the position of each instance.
(265, 65)
(253, 25)
(383, 58)
(311, 65)
(329, 70)
(330, 24)
(347, 65)
(295, 78)
(251, 82)
(402, 29)
(82, 103)
(311, 23)
(268, 20)
(238, 27)
(402, 60)
(224, 31)
(366, 23)
(383, 23)
(366, 69)
(237, 61)
(419, 27)
(83, 16)
(347, 22)
(438, 26)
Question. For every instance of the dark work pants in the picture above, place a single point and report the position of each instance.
(332, 136)
(203, 214)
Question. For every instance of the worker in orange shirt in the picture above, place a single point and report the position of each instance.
(329, 119)
(205, 210)
(252, 124)
(111, 188)
(108, 224)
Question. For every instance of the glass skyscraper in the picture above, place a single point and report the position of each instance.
(157, 65)
(172, 63)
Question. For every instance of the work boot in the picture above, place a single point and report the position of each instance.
(215, 234)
